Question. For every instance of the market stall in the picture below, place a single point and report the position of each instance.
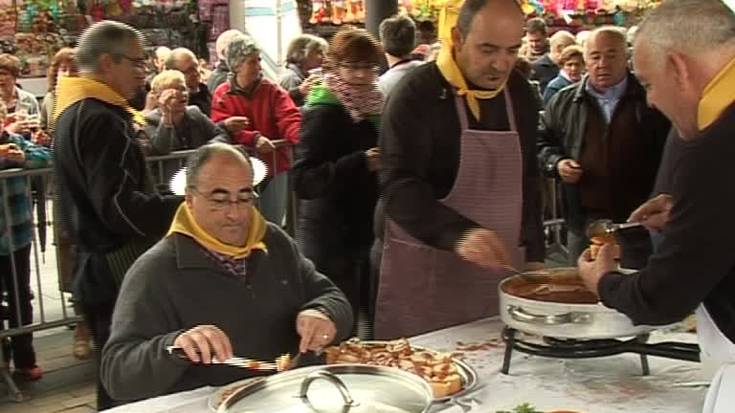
(34, 30)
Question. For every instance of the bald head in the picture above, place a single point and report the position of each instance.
(486, 41)
(605, 55)
(501, 8)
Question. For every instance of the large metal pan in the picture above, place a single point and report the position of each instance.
(571, 313)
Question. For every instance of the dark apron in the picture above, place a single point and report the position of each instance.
(423, 288)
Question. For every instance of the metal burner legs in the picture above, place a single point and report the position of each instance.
(509, 336)
(575, 349)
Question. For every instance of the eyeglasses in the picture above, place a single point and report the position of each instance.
(220, 201)
(138, 63)
(359, 66)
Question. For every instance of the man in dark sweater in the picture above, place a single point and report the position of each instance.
(222, 283)
(601, 140)
(106, 199)
(685, 58)
(438, 197)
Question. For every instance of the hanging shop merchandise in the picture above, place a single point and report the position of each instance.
(34, 30)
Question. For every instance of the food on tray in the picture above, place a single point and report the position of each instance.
(438, 369)
(597, 242)
(283, 362)
(219, 396)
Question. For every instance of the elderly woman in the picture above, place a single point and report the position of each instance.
(63, 64)
(305, 53)
(174, 126)
(335, 174)
(20, 105)
(271, 115)
(571, 62)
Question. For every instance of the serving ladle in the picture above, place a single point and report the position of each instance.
(605, 227)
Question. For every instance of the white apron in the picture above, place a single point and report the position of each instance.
(717, 352)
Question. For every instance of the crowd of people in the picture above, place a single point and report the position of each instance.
(419, 183)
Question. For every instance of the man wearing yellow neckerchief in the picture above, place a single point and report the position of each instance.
(460, 184)
(685, 57)
(106, 198)
(222, 283)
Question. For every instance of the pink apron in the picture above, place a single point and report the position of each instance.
(423, 288)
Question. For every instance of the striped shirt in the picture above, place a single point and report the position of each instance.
(16, 193)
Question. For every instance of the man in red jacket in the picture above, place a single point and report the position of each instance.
(272, 116)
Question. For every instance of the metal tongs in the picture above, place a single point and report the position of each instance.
(603, 227)
(242, 362)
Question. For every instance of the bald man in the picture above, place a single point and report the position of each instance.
(601, 140)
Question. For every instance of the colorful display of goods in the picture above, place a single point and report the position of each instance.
(337, 12)
(34, 30)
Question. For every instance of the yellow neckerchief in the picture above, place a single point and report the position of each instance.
(449, 69)
(184, 223)
(70, 90)
(717, 96)
(448, 66)
(448, 15)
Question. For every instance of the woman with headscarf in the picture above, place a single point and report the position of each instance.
(271, 116)
(335, 174)
(220, 72)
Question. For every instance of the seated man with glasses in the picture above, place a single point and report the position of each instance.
(222, 283)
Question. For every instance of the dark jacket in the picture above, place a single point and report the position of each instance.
(695, 262)
(202, 99)
(330, 175)
(104, 190)
(420, 146)
(291, 79)
(175, 286)
(218, 76)
(195, 130)
(544, 71)
(563, 129)
(559, 83)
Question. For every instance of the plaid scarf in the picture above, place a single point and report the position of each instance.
(359, 101)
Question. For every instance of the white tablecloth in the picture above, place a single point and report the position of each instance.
(599, 385)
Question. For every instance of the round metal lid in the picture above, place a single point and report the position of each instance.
(330, 389)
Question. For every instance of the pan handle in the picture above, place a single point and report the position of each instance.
(325, 375)
(574, 317)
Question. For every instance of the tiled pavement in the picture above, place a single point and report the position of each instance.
(67, 385)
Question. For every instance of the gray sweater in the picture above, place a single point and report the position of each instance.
(195, 130)
(175, 286)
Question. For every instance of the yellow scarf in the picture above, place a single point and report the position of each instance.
(71, 90)
(717, 96)
(448, 66)
(184, 223)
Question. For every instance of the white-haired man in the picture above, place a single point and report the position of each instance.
(186, 62)
(685, 58)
